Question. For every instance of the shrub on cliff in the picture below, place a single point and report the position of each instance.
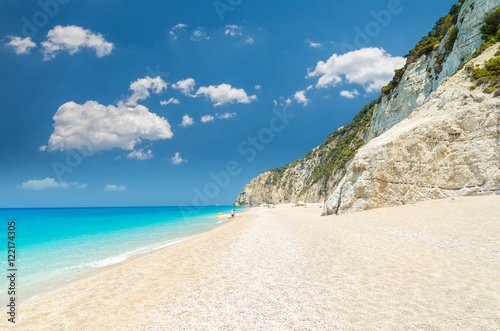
(490, 31)
(433, 38)
(491, 70)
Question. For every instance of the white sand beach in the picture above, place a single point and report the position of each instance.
(434, 265)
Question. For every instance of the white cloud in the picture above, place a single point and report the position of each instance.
(207, 118)
(177, 159)
(257, 87)
(232, 30)
(225, 93)
(42, 148)
(315, 45)
(142, 86)
(288, 101)
(249, 40)
(349, 94)
(173, 29)
(42, 184)
(179, 26)
(71, 38)
(300, 97)
(370, 67)
(171, 100)
(95, 127)
(186, 121)
(186, 86)
(114, 188)
(309, 87)
(225, 116)
(199, 34)
(21, 45)
(140, 154)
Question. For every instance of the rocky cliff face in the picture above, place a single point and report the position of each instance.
(430, 137)
(312, 178)
(433, 137)
(447, 147)
(424, 76)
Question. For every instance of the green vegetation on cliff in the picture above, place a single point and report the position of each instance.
(334, 153)
(433, 38)
(350, 139)
(490, 33)
(427, 44)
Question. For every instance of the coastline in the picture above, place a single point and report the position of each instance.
(92, 283)
(109, 236)
(431, 265)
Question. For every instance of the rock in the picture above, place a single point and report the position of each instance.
(479, 98)
(450, 152)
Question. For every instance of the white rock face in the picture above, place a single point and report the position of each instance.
(448, 146)
(431, 138)
(421, 79)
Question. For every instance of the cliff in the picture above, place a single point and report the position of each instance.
(313, 177)
(428, 136)
(447, 147)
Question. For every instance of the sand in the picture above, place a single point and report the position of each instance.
(433, 265)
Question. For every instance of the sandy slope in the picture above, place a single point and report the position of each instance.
(432, 265)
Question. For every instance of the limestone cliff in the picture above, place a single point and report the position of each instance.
(312, 178)
(447, 147)
(428, 136)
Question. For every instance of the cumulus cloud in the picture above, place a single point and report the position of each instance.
(300, 97)
(315, 45)
(47, 183)
(142, 86)
(179, 26)
(370, 67)
(177, 159)
(249, 40)
(186, 86)
(199, 34)
(349, 94)
(225, 116)
(207, 118)
(169, 101)
(21, 45)
(175, 28)
(225, 93)
(94, 127)
(140, 154)
(232, 30)
(72, 38)
(186, 121)
(114, 188)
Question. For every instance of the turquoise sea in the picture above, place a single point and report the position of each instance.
(56, 245)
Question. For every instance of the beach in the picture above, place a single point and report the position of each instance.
(430, 265)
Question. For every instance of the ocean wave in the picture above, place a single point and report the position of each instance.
(119, 258)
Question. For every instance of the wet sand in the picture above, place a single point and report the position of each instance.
(431, 265)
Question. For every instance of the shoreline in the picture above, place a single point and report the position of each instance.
(292, 268)
(57, 282)
(89, 276)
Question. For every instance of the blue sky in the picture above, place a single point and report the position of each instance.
(127, 103)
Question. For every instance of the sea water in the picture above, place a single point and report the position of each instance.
(56, 245)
